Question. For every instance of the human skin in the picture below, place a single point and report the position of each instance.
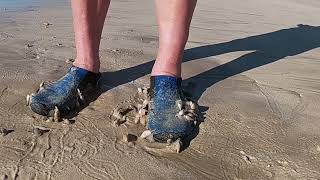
(88, 21)
(173, 17)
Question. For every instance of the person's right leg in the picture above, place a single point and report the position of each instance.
(88, 20)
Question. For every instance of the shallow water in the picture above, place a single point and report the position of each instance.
(18, 4)
(28, 5)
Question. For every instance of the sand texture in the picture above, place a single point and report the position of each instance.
(255, 65)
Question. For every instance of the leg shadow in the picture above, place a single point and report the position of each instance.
(267, 48)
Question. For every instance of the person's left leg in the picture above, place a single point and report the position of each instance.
(164, 122)
(174, 18)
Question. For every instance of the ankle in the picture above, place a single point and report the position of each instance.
(165, 73)
(95, 68)
(166, 70)
(168, 65)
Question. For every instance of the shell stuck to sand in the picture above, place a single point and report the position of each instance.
(4, 132)
(146, 139)
(29, 99)
(41, 86)
(56, 115)
(137, 109)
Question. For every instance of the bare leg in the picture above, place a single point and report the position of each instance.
(174, 17)
(165, 120)
(88, 21)
(60, 97)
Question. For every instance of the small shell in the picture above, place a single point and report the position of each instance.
(28, 100)
(125, 138)
(137, 119)
(37, 132)
(131, 144)
(145, 104)
(192, 115)
(115, 123)
(116, 113)
(181, 113)
(180, 117)
(189, 118)
(139, 106)
(143, 120)
(195, 123)
(47, 24)
(177, 145)
(179, 104)
(150, 139)
(142, 112)
(145, 91)
(124, 118)
(4, 132)
(145, 134)
(49, 120)
(140, 90)
(192, 111)
(80, 95)
(41, 86)
(56, 115)
(192, 105)
(66, 121)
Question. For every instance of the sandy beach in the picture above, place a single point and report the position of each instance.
(255, 65)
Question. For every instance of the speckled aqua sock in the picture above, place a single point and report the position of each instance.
(63, 92)
(162, 120)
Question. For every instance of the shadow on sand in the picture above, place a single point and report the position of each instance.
(267, 48)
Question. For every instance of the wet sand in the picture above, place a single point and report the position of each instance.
(256, 69)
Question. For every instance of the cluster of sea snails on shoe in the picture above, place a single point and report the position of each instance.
(187, 109)
(187, 112)
(55, 114)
